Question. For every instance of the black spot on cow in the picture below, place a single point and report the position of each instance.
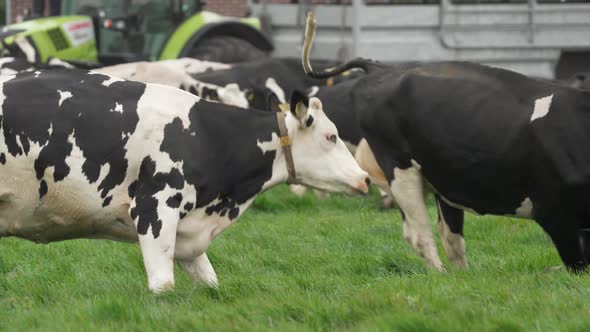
(309, 121)
(210, 94)
(145, 211)
(132, 188)
(182, 215)
(42, 189)
(225, 206)
(85, 119)
(236, 174)
(174, 201)
(147, 185)
(107, 201)
(2, 158)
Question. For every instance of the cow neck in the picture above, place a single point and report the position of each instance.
(285, 141)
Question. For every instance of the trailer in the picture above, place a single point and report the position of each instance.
(542, 38)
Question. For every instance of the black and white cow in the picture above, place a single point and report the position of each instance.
(161, 72)
(483, 139)
(580, 81)
(12, 65)
(85, 155)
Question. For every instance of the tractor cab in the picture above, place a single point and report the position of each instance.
(119, 31)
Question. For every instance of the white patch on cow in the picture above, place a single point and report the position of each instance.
(112, 80)
(118, 108)
(273, 86)
(407, 188)
(453, 243)
(7, 72)
(230, 95)
(26, 48)
(57, 62)
(104, 171)
(50, 130)
(193, 66)
(525, 210)
(542, 106)
(311, 92)
(63, 95)
(37, 73)
(271, 145)
(5, 60)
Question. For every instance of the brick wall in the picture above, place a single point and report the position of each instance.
(18, 6)
(227, 7)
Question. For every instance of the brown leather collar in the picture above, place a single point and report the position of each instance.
(286, 145)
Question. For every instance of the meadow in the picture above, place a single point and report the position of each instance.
(294, 264)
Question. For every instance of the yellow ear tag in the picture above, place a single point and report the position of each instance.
(285, 141)
(284, 107)
(330, 82)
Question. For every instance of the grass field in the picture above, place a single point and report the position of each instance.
(301, 264)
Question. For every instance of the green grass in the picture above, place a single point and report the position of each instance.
(301, 264)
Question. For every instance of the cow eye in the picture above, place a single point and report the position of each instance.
(332, 138)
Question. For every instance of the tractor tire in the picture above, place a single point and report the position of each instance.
(226, 49)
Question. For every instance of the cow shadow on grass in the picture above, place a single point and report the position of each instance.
(402, 267)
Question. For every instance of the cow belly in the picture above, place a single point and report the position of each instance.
(67, 211)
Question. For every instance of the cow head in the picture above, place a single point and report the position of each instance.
(320, 157)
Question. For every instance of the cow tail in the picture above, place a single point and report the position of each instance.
(310, 28)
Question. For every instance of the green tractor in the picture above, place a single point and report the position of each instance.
(109, 32)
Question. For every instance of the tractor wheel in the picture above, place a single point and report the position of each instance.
(226, 49)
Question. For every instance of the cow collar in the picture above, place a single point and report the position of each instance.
(286, 145)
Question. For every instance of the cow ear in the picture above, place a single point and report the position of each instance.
(299, 105)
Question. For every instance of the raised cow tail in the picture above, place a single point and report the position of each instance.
(310, 28)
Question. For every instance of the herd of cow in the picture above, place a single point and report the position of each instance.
(109, 154)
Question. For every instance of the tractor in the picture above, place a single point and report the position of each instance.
(108, 32)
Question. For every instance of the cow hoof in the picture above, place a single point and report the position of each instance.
(163, 288)
(388, 202)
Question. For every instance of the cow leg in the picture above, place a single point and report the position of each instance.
(156, 227)
(386, 199)
(200, 270)
(566, 237)
(298, 189)
(450, 228)
(408, 192)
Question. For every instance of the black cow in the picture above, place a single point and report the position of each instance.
(484, 139)
(88, 155)
(261, 79)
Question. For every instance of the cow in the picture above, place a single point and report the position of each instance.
(159, 72)
(267, 77)
(194, 66)
(86, 155)
(483, 139)
(14, 65)
(579, 80)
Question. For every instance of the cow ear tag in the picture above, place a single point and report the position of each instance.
(284, 107)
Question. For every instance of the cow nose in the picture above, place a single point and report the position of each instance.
(368, 181)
